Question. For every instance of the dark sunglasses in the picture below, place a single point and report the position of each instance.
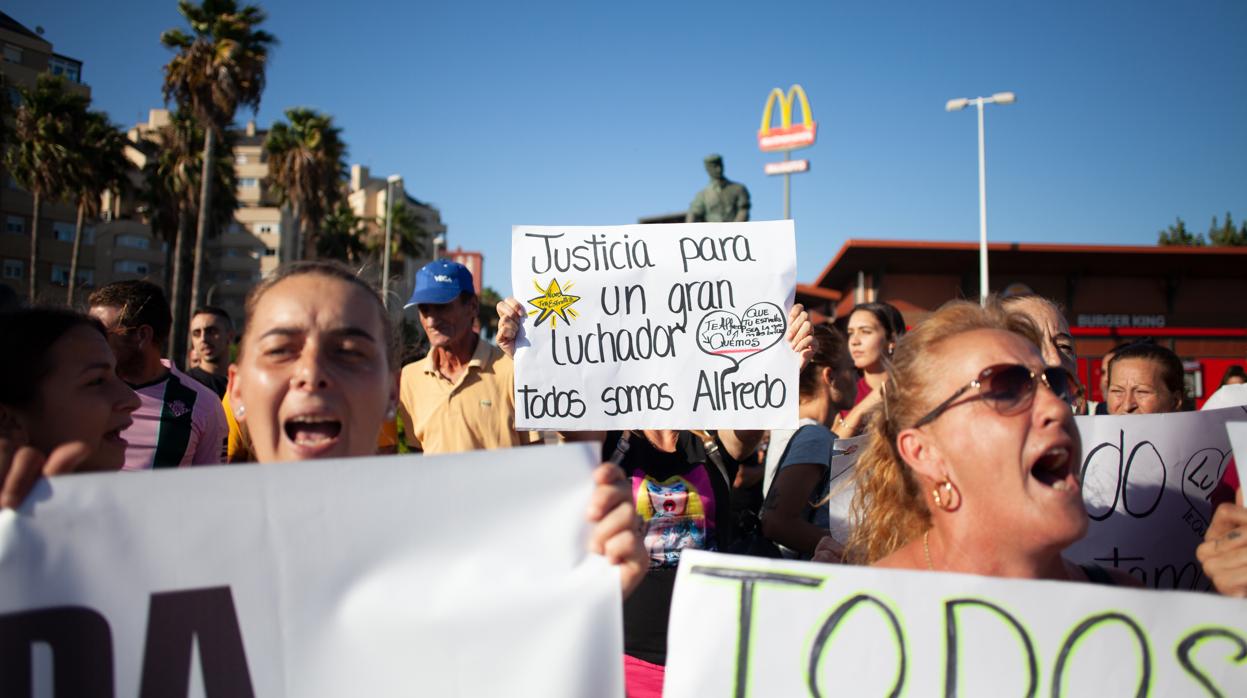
(1010, 388)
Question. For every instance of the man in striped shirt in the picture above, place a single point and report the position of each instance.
(180, 421)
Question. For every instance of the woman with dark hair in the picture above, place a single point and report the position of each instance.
(1234, 375)
(872, 329)
(1145, 378)
(791, 516)
(62, 406)
(972, 464)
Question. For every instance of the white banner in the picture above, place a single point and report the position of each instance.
(1238, 440)
(655, 326)
(749, 626)
(460, 575)
(1146, 484)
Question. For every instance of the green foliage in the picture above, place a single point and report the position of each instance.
(489, 311)
(408, 237)
(45, 132)
(307, 166)
(221, 64)
(342, 236)
(1225, 235)
(98, 164)
(1178, 235)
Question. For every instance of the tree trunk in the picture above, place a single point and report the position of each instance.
(177, 331)
(73, 260)
(205, 212)
(300, 246)
(34, 247)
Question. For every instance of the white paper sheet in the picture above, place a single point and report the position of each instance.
(655, 326)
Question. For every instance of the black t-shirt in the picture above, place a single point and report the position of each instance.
(212, 380)
(685, 502)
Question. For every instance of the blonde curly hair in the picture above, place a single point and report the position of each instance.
(889, 507)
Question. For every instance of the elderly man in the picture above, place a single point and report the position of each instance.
(461, 396)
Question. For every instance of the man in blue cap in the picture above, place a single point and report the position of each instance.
(461, 396)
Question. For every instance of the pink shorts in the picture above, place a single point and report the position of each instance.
(642, 679)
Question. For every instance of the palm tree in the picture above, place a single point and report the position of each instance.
(306, 164)
(100, 165)
(342, 236)
(171, 200)
(43, 138)
(217, 69)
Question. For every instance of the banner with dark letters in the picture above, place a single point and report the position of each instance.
(363, 577)
(655, 326)
(1146, 483)
(744, 626)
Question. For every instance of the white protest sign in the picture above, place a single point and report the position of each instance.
(1238, 440)
(1146, 482)
(362, 577)
(655, 326)
(841, 489)
(1229, 395)
(751, 626)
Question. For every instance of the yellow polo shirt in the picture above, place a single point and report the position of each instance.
(474, 413)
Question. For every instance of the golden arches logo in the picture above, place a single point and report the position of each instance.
(787, 136)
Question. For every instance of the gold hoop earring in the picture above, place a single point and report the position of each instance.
(946, 500)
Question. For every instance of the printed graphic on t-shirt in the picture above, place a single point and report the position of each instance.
(678, 514)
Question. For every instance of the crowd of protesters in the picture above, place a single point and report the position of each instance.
(970, 461)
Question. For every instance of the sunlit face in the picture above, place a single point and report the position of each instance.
(448, 323)
(312, 378)
(83, 400)
(210, 338)
(1017, 473)
(868, 341)
(128, 343)
(1235, 380)
(1058, 343)
(1136, 386)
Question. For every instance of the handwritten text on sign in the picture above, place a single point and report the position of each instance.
(748, 626)
(655, 326)
(312, 579)
(1146, 482)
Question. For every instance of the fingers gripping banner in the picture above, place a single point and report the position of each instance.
(655, 326)
(743, 626)
(361, 577)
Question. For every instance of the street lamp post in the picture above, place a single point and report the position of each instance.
(958, 105)
(389, 226)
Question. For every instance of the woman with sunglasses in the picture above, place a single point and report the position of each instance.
(972, 462)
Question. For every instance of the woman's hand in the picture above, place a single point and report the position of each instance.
(799, 334)
(510, 318)
(1224, 550)
(616, 528)
(22, 466)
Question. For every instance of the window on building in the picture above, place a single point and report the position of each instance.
(14, 268)
(271, 228)
(270, 252)
(136, 241)
(15, 224)
(63, 232)
(15, 100)
(88, 235)
(70, 70)
(12, 54)
(60, 276)
(240, 159)
(129, 266)
(248, 182)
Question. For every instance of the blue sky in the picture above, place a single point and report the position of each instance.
(1129, 113)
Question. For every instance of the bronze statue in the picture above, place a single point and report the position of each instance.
(722, 200)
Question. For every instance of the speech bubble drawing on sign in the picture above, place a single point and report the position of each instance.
(736, 338)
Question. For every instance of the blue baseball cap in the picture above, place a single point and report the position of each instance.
(441, 281)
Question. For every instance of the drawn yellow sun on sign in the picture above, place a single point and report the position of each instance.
(553, 302)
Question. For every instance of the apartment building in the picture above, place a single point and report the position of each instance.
(26, 55)
(368, 199)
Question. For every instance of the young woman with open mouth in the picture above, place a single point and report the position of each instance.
(62, 406)
(973, 460)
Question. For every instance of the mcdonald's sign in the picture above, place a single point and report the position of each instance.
(787, 136)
